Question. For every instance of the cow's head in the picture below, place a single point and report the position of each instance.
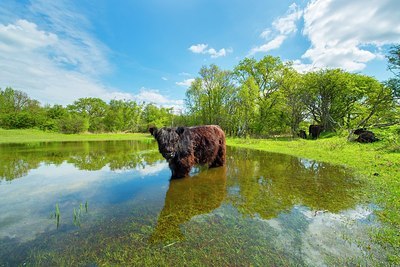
(168, 140)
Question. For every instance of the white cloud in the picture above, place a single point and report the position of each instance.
(155, 97)
(78, 48)
(273, 44)
(33, 60)
(198, 49)
(202, 49)
(164, 78)
(287, 24)
(340, 31)
(282, 27)
(51, 54)
(185, 83)
(148, 96)
(24, 35)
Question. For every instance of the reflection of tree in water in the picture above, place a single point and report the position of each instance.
(16, 160)
(14, 168)
(187, 198)
(268, 183)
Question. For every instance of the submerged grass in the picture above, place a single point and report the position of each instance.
(377, 163)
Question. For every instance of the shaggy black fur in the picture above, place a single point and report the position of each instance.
(365, 136)
(183, 147)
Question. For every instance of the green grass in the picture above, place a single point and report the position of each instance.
(31, 135)
(377, 163)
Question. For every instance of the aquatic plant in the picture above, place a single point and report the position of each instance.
(57, 215)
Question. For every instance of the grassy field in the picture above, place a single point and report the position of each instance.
(30, 135)
(378, 163)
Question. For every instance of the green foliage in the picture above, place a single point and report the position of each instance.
(72, 124)
(209, 98)
(267, 97)
(18, 111)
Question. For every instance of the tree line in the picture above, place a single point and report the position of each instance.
(267, 97)
(19, 111)
(257, 98)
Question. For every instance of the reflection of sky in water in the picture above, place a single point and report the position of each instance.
(265, 198)
(310, 164)
(314, 235)
(312, 238)
(28, 202)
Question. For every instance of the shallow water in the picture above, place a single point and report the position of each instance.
(113, 203)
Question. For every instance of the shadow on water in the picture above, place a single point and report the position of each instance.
(260, 209)
(189, 197)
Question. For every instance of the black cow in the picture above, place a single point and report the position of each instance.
(184, 147)
(365, 136)
(302, 134)
(315, 130)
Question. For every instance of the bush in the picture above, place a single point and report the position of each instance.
(72, 124)
(21, 120)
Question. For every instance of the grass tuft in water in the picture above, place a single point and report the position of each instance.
(57, 215)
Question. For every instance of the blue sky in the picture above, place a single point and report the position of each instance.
(59, 51)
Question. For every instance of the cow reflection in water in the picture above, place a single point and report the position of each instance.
(188, 197)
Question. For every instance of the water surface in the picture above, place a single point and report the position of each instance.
(113, 203)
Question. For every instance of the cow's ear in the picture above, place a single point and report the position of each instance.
(153, 131)
(180, 130)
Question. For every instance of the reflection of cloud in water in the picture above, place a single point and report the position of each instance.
(302, 236)
(320, 236)
(309, 164)
(335, 235)
(152, 169)
(143, 170)
(27, 203)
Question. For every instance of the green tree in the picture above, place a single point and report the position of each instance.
(92, 108)
(267, 76)
(17, 110)
(154, 116)
(293, 90)
(329, 95)
(73, 123)
(210, 95)
(394, 66)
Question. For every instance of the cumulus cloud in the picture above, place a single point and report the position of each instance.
(198, 49)
(282, 27)
(24, 35)
(33, 60)
(185, 83)
(55, 59)
(202, 49)
(348, 34)
(155, 97)
(273, 44)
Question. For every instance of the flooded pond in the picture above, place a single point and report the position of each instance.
(113, 203)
